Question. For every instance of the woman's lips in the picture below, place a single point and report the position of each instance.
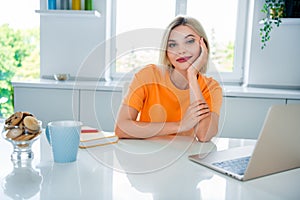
(183, 59)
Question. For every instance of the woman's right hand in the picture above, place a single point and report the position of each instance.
(201, 61)
(197, 111)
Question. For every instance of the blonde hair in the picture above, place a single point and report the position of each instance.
(192, 23)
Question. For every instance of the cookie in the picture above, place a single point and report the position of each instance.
(24, 137)
(7, 127)
(31, 123)
(25, 114)
(29, 131)
(14, 133)
(22, 126)
(14, 119)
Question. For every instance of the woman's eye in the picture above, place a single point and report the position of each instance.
(171, 45)
(191, 41)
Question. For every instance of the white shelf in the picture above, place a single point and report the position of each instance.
(286, 21)
(77, 13)
(290, 20)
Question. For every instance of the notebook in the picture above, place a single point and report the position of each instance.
(91, 137)
(277, 148)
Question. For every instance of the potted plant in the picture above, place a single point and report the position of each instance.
(274, 11)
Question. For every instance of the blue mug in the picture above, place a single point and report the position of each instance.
(64, 137)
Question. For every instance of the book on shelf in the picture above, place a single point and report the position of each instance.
(92, 137)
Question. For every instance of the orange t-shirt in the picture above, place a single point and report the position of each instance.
(152, 93)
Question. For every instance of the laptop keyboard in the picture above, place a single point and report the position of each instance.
(237, 166)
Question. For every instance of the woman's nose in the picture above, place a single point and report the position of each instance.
(181, 49)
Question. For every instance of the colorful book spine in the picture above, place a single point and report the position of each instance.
(64, 5)
(51, 4)
(88, 4)
(76, 4)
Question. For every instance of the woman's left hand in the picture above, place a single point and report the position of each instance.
(200, 61)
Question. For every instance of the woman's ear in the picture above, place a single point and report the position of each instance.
(200, 47)
(206, 43)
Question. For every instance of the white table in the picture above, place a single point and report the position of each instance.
(156, 168)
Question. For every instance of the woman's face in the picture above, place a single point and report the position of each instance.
(183, 47)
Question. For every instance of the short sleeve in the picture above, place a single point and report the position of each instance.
(135, 94)
(216, 99)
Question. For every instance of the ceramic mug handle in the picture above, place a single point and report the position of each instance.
(48, 135)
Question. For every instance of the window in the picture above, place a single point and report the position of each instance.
(221, 20)
(220, 25)
(19, 44)
(132, 24)
(225, 25)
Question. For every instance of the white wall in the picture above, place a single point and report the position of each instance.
(66, 41)
(278, 65)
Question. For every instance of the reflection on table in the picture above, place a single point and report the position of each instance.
(156, 168)
(23, 182)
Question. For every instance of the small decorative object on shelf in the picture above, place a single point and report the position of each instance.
(61, 77)
(88, 4)
(76, 5)
(51, 4)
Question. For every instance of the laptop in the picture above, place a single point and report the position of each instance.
(277, 148)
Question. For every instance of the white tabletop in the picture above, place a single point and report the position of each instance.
(156, 168)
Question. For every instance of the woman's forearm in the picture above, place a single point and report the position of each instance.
(135, 129)
(128, 127)
(207, 127)
(195, 92)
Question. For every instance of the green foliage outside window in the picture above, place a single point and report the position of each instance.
(19, 59)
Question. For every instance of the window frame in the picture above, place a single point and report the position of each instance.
(234, 77)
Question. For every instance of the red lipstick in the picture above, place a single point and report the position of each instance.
(183, 59)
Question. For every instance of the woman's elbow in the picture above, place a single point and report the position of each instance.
(203, 137)
(206, 135)
(208, 129)
(119, 132)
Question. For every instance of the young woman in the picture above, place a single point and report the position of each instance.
(176, 97)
